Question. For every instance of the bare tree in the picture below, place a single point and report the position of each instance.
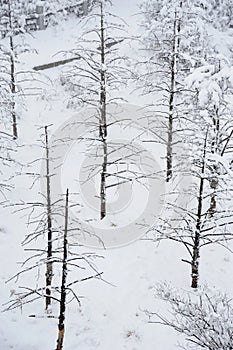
(174, 54)
(213, 88)
(94, 82)
(42, 212)
(62, 254)
(61, 326)
(197, 233)
(16, 84)
(160, 71)
(13, 28)
(192, 225)
(49, 268)
(12, 74)
(103, 121)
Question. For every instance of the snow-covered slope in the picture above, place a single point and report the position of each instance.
(112, 312)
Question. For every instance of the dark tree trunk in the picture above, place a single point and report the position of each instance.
(179, 26)
(103, 125)
(171, 99)
(213, 201)
(12, 75)
(214, 169)
(49, 265)
(61, 324)
(169, 143)
(196, 244)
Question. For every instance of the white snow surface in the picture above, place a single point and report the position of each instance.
(112, 314)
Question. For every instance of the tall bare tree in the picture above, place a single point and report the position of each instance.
(212, 89)
(94, 82)
(61, 325)
(192, 225)
(160, 70)
(49, 268)
(63, 255)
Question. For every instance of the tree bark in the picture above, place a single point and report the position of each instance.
(103, 125)
(61, 324)
(196, 245)
(171, 99)
(213, 201)
(49, 265)
(12, 75)
(179, 24)
(214, 176)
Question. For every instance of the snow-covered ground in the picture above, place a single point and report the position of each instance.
(112, 313)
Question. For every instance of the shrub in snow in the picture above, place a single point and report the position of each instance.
(204, 317)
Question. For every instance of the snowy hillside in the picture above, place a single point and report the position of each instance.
(136, 120)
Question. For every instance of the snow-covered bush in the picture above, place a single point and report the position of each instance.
(204, 317)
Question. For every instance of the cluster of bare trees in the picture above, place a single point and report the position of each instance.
(193, 85)
(52, 248)
(190, 89)
(51, 238)
(202, 117)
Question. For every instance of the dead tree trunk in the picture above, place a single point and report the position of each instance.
(49, 264)
(171, 99)
(214, 168)
(12, 77)
(213, 186)
(61, 325)
(103, 125)
(179, 25)
(196, 244)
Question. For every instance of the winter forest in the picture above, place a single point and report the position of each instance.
(116, 174)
